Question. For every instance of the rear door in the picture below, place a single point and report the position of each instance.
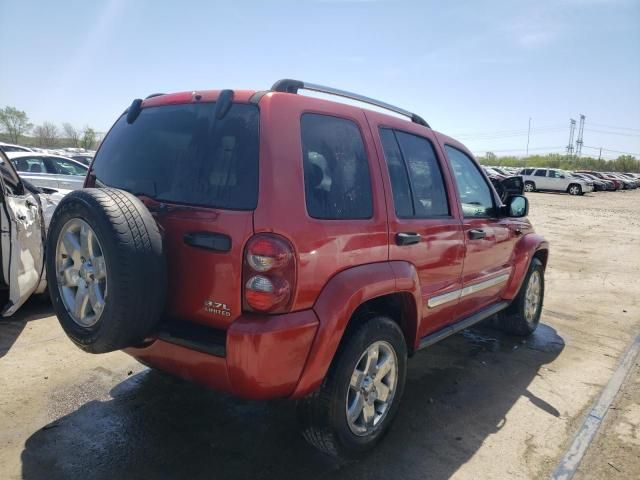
(198, 174)
(423, 227)
(35, 170)
(488, 239)
(22, 238)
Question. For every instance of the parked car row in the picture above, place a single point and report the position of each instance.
(578, 182)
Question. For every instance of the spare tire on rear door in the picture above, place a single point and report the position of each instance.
(105, 268)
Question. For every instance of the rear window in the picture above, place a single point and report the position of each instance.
(182, 154)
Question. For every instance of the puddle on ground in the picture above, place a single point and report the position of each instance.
(544, 339)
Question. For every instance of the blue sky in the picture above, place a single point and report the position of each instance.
(475, 70)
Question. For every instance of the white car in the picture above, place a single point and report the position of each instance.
(52, 171)
(23, 212)
(554, 179)
(10, 147)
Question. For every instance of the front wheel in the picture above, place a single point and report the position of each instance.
(360, 395)
(575, 189)
(523, 315)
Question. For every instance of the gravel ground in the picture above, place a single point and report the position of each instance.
(478, 405)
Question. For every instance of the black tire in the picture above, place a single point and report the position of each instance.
(574, 189)
(322, 415)
(529, 187)
(136, 269)
(513, 320)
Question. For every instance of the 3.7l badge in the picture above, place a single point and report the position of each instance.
(217, 308)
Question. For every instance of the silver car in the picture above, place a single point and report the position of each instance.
(554, 179)
(53, 171)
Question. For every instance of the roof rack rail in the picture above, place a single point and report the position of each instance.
(287, 85)
(153, 95)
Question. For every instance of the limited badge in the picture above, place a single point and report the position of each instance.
(217, 308)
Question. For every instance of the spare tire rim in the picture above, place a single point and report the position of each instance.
(81, 272)
(532, 297)
(372, 388)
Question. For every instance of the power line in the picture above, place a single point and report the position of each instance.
(613, 133)
(519, 149)
(507, 132)
(615, 128)
(614, 151)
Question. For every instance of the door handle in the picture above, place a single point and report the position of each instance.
(477, 234)
(407, 238)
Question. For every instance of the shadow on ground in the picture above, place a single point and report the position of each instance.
(154, 426)
(11, 328)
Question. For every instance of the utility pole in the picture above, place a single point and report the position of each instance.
(572, 128)
(600, 154)
(579, 141)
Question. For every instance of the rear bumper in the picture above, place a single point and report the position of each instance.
(263, 356)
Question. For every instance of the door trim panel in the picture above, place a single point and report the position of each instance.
(468, 290)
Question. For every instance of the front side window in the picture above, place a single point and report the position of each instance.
(475, 194)
(416, 180)
(62, 166)
(337, 182)
(184, 154)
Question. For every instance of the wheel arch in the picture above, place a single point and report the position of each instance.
(529, 247)
(351, 296)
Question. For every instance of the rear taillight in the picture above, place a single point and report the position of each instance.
(269, 274)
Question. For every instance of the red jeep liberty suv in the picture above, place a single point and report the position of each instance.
(275, 245)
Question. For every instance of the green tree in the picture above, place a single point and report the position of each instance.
(14, 122)
(88, 138)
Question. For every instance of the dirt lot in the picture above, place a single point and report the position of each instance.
(478, 405)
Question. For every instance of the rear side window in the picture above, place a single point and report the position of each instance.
(182, 154)
(30, 164)
(416, 178)
(540, 173)
(337, 182)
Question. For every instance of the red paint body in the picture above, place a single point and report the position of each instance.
(339, 264)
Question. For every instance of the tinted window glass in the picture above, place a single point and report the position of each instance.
(336, 170)
(65, 167)
(475, 194)
(540, 173)
(30, 164)
(397, 174)
(424, 191)
(182, 154)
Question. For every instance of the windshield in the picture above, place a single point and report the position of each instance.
(182, 154)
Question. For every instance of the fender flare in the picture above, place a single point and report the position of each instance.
(340, 298)
(525, 250)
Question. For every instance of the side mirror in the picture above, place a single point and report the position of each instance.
(517, 206)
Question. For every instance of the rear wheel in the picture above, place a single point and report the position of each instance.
(105, 270)
(360, 395)
(523, 315)
(575, 189)
(529, 187)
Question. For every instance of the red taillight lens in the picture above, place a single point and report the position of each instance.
(269, 274)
